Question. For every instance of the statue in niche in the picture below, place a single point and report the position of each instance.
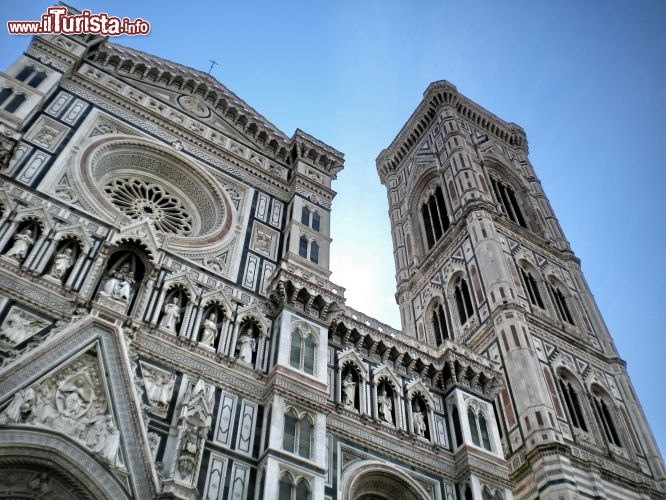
(120, 284)
(171, 314)
(159, 386)
(419, 420)
(349, 391)
(22, 243)
(385, 407)
(61, 263)
(246, 346)
(209, 330)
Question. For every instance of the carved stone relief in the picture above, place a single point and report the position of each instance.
(193, 423)
(159, 385)
(18, 326)
(72, 402)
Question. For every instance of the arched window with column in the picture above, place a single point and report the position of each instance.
(560, 301)
(506, 198)
(434, 217)
(302, 351)
(15, 103)
(297, 433)
(439, 322)
(605, 413)
(305, 216)
(570, 389)
(531, 281)
(463, 300)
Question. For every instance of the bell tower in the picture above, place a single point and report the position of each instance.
(482, 262)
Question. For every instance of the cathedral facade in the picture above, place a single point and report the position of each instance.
(168, 328)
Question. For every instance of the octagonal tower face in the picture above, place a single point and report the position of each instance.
(481, 261)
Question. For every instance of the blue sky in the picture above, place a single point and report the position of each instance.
(584, 79)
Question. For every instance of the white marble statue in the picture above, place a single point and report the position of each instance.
(22, 242)
(385, 407)
(61, 263)
(209, 330)
(18, 326)
(419, 421)
(120, 284)
(348, 391)
(171, 314)
(246, 346)
(159, 386)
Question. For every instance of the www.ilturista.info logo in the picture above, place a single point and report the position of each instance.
(57, 21)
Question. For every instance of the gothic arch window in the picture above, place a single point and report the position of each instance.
(297, 433)
(434, 217)
(439, 321)
(37, 79)
(487, 494)
(314, 252)
(560, 302)
(457, 429)
(463, 300)
(303, 247)
(571, 396)
(478, 427)
(4, 94)
(25, 73)
(605, 413)
(468, 495)
(531, 285)
(14, 104)
(290, 489)
(506, 198)
(316, 221)
(305, 216)
(302, 351)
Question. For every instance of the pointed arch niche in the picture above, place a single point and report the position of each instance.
(386, 385)
(352, 369)
(419, 401)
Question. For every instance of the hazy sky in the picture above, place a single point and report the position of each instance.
(586, 80)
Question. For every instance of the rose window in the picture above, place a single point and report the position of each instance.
(143, 200)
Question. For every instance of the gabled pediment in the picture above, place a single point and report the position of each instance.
(141, 232)
(255, 313)
(78, 232)
(383, 371)
(74, 394)
(351, 356)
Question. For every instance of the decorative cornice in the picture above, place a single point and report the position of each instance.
(274, 143)
(438, 94)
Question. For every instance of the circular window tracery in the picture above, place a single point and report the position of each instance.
(142, 200)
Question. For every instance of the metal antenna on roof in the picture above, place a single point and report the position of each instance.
(213, 63)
